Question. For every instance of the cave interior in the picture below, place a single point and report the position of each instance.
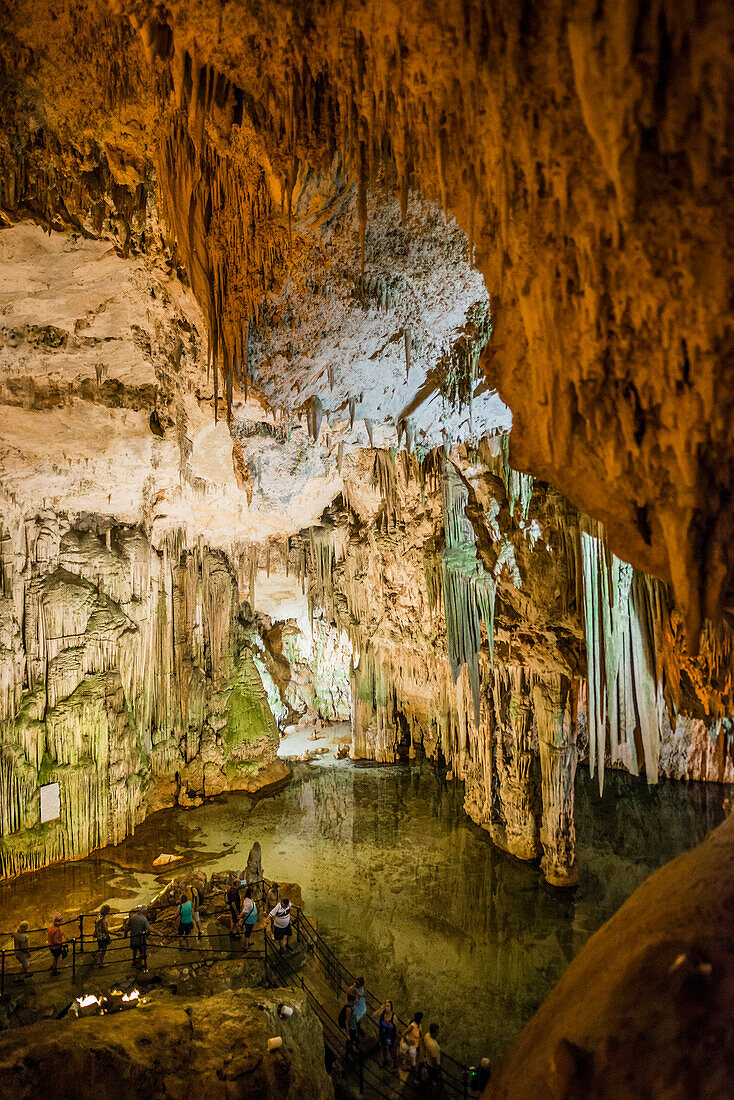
(369, 367)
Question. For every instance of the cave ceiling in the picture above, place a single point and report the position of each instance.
(300, 166)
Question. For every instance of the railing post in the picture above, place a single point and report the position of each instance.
(298, 925)
(81, 933)
(361, 1073)
(466, 1083)
(265, 942)
(2, 974)
(73, 959)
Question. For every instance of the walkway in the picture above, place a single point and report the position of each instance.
(325, 980)
(311, 964)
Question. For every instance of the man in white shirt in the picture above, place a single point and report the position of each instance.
(280, 920)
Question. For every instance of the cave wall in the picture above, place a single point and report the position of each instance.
(125, 678)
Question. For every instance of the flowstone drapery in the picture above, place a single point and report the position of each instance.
(125, 679)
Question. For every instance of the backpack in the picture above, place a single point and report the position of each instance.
(232, 894)
(195, 898)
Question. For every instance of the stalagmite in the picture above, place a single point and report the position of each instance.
(557, 743)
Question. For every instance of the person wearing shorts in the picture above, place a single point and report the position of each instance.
(21, 945)
(138, 926)
(102, 933)
(249, 915)
(185, 921)
(280, 919)
(195, 910)
(55, 943)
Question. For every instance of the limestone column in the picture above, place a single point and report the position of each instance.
(515, 766)
(556, 727)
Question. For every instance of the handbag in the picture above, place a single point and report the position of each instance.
(64, 950)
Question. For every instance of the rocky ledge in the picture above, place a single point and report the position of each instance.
(172, 1047)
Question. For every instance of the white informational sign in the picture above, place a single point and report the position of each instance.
(50, 802)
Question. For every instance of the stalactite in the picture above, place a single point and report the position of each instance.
(625, 689)
(458, 369)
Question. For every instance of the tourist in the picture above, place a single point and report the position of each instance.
(138, 928)
(22, 947)
(412, 1040)
(56, 944)
(432, 1051)
(195, 899)
(185, 921)
(249, 915)
(481, 1077)
(102, 933)
(235, 905)
(346, 1022)
(387, 1033)
(360, 1002)
(273, 897)
(280, 920)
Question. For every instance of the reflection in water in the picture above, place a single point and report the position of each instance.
(409, 892)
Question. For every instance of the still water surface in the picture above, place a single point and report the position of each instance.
(403, 886)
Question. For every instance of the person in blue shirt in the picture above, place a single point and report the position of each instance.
(185, 921)
(249, 915)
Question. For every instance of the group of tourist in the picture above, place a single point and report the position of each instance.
(409, 1049)
(243, 915)
(413, 1051)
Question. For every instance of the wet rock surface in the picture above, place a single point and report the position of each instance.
(213, 1046)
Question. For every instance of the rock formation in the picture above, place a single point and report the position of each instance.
(629, 1014)
(271, 182)
(216, 1046)
(477, 610)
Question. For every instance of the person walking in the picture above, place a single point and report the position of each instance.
(195, 898)
(234, 903)
(387, 1025)
(249, 915)
(22, 947)
(185, 921)
(102, 932)
(360, 1002)
(56, 944)
(280, 919)
(412, 1041)
(432, 1051)
(345, 1020)
(273, 897)
(138, 928)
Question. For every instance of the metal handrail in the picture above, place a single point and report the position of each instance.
(337, 974)
(210, 954)
(455, 1082)
(459, 1069)
(148, 908)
